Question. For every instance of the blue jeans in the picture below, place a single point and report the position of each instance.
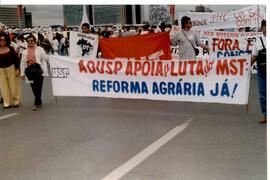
(261, 76)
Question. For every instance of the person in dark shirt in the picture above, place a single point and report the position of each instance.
(9, 70)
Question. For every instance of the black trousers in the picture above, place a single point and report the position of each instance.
(37, 88)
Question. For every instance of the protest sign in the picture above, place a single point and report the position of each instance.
(225, 44)
(230, 44)
(220, 81)
(149, 46)
(83, 45)
(245, 17)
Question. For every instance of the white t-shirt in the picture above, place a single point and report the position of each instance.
(63, 40)
(186, 51)
(258, 46)
(21, 46)
(55, 44)
(14, 45)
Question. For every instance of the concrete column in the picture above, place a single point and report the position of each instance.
(145, 13)
(93, 14)
(133, 14)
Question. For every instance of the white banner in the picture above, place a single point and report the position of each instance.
(221, 81)
(230, 44)
(83, 45)
(246, 17)
(224, 44)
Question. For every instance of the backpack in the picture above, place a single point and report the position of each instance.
(261, 58)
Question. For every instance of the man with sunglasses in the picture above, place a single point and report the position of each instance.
(187, 40)
(34, 54)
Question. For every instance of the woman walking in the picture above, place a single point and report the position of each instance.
(9, 70)
(34, 54)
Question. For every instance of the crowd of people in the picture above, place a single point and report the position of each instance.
(57, 40)
(14, 59)
(18, 52)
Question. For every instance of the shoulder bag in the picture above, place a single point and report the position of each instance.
(33, 71)
(195, 49)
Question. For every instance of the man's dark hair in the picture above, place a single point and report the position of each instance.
(146, 27)
(127, 28)
(21, 37)
(184, 21)
(31, 36)
(86, 25)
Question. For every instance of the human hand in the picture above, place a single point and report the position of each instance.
(17, 72)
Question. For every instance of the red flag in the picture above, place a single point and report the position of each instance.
(137, 46)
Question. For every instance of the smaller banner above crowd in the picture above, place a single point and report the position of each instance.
(149, 46)
(229, 44)
(196, 80)
(245, 17)
(83, 45)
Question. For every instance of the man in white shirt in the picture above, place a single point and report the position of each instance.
(259, 56)
(128, 32)
(55, 45)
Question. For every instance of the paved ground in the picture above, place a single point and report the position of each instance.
(79, 138)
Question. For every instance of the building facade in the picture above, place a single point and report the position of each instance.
(159, 13)
(72, 15)
(104, 14)
(28, 19)
(8, 16)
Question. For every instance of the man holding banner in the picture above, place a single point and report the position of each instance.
(187, 40)
(259, 55)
